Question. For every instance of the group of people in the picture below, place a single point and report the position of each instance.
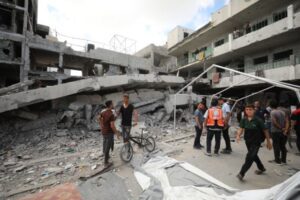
(107, 123)
(214, 121)
(258, 125)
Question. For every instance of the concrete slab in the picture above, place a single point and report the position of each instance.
(21, 99)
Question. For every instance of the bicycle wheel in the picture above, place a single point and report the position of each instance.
(150, 144)
(126, 152)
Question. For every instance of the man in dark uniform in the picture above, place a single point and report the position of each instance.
(259, 112)
(199, 119)
(127, 111)
(252, 127)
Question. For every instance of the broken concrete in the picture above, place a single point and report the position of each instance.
(25, 115)
(17, 86)
(14, 101)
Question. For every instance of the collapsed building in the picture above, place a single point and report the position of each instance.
(46, 110)
(36, 68)
(37, 75)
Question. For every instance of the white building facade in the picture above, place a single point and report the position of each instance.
(261, 37)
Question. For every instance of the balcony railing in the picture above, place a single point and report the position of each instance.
(198, 57)
(266, 66)
(273, 65)
(182, 62)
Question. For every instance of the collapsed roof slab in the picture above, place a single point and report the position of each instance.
(21, 99)
(100, 54)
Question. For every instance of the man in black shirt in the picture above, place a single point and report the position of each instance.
(127, 111)
(253, 127)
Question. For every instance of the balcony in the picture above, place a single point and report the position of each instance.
(224, 48)
(274, 64)
(282, 70)
(261, 34)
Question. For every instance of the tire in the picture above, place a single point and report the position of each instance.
(150, 144)
(126, 152)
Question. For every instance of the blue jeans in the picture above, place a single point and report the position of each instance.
(126, 133)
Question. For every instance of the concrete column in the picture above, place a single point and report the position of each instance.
(189, 73)
(230, 38)
(85, 71)
(60, 60)
(290, 16)
(152, 69)
(189, 91)
(60, 66)
(24, 67)
(293, 60)
(229, 9)
(14, 29)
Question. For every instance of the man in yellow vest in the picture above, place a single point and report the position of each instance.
(214, 123)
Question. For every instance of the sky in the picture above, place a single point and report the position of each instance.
(141, 21)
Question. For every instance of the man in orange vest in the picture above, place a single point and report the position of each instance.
(214, 123)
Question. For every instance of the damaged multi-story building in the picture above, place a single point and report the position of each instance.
(36, 67)
(259, 37)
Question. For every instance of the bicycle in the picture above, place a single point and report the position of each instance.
(126, 152)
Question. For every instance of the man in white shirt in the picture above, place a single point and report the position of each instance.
(226, 115)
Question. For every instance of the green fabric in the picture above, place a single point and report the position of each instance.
(254, 124)
(253, 130)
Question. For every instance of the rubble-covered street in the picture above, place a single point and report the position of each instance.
(149, 100)
(50, 148)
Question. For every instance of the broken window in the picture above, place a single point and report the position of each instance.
(260, 60)
(283, 55)
(279, 15)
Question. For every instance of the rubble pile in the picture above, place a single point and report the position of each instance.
(59, 145)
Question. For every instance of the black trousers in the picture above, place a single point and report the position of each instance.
(251, 157)
(298, 138)
(227, 138)
(210, 136)
(279, 142)
(197, 138)
(107, 145)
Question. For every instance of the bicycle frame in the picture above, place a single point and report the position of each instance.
(138, 139)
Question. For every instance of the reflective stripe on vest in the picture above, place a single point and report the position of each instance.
(215, 115)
